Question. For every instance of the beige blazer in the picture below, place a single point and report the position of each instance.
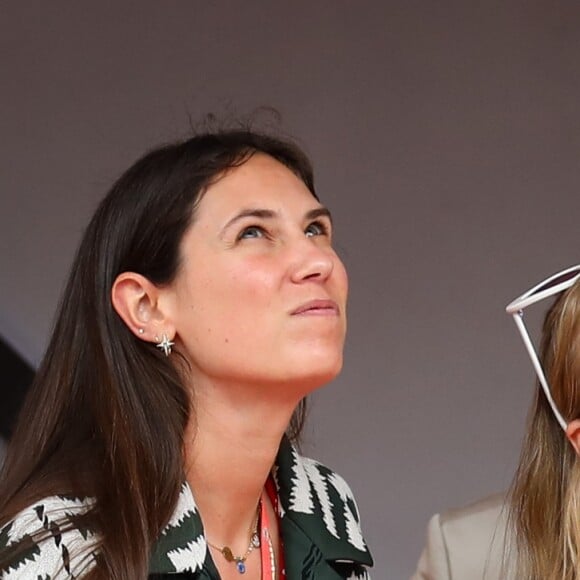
(467, 544)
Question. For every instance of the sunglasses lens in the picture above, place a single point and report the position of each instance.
(557, 280)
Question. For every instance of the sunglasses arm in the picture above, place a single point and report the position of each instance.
(518, 319)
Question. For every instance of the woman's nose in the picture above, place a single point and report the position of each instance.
(312, 262)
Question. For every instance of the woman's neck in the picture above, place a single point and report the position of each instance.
(230, 446)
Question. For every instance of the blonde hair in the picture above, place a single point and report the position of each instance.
(545, 493)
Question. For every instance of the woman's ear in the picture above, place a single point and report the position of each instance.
(137, 301)
(573, 434)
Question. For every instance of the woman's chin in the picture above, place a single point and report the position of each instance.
(314, 376)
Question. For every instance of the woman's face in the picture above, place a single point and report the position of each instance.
(260, 296)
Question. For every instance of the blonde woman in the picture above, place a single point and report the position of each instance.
(545, 509)
(535, 533)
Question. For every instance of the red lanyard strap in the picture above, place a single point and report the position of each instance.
(266, 541)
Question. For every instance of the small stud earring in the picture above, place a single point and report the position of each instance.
(140, 331)
(165, 344)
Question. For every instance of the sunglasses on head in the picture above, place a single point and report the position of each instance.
(548, 287)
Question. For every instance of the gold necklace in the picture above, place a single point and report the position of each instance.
(240, 561)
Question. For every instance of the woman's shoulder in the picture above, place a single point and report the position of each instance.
(47, 540)
(473, 541)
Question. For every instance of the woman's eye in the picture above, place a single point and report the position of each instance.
(316, 229)
(251, 232)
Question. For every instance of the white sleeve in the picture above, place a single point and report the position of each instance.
(434, 561)
(67, 553)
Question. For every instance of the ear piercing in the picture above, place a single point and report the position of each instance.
(140, 331)
(164, 344)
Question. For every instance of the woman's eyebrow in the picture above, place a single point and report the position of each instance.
(252, 212)
(270, 214)
(319, 212)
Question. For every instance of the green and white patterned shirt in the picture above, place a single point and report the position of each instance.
(319, 523)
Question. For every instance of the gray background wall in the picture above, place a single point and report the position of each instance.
(446, 137)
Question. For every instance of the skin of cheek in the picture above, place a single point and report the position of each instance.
(216, 320)
(250, 336)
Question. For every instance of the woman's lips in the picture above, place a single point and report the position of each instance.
(317, 308)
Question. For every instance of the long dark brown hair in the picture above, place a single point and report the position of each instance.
(106, 414)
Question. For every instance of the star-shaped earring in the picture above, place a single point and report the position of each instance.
(165, 344)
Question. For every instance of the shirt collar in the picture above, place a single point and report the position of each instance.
(321, 504)
(181, 546)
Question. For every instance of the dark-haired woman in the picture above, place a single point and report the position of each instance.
(205, 302)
